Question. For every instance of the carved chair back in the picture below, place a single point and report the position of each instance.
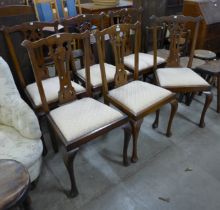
(118, 36)
(127, 15)
(81, 23)
(59, 47)
(177, 29)
(14, 36)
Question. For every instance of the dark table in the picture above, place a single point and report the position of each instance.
(212, 68)
(14, 185)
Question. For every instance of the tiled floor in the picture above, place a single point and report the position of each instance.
(104, 184)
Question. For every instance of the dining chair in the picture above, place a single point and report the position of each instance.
(131, 15)
(173, 77)
(135, 98)
(81, 23)
(74, 122)
(44, 10)
(34, 31)
(14, 35)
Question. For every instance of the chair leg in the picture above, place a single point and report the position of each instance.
(127, 137)
(135, 126)
(27, 203)
(40, 118)
(189, 98)
(69, 161)
(208, 101)
(156, 121)
(53, 138)
(174, 106)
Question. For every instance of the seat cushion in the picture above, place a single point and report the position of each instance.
(82, 117)
(95, 74)
(181, 77)
(138, 96)
(51, 87)
(196, 62)
(162, 53)
(145, 61)
(27, 151)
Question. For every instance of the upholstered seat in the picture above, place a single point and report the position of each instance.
(196, 62)
(145, 61)
(171, 77)
(162, 53)
(138, 96)
(82, 117)
(17, 147)
(95, 74)
(51, 87)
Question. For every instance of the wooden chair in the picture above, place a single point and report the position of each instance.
(44, 10)
(126, 15)
(131, 15)
(175, 78)
(82, 23)
(137, 99)
(34, 31)
(74, 122)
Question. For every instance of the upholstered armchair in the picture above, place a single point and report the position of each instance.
(20, 135)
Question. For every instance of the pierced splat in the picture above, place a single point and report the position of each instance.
(118, 41)
(62, 56)
(177, 31)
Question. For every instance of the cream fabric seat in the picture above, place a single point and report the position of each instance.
(171, 77)
(162, 53)
(138, 95)
(82, 117)
(95, 74)
(196, 62)
(51, 87)
(145, 61)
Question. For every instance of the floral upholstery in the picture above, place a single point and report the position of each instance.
(15, 146)
(19, 128)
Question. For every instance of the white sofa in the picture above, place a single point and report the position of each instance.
(20, 135)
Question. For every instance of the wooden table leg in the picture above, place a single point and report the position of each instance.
(218, 93)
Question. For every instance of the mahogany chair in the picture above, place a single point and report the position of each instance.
(136, 99)
(175, 78)
(131, 15)
(74, 122)
(82, 23)
(126, 15)
(34, 31)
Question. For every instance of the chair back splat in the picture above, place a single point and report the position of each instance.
(119, 36)
(126, 15)
(60, 52)
(31, 31)
(176, 25)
